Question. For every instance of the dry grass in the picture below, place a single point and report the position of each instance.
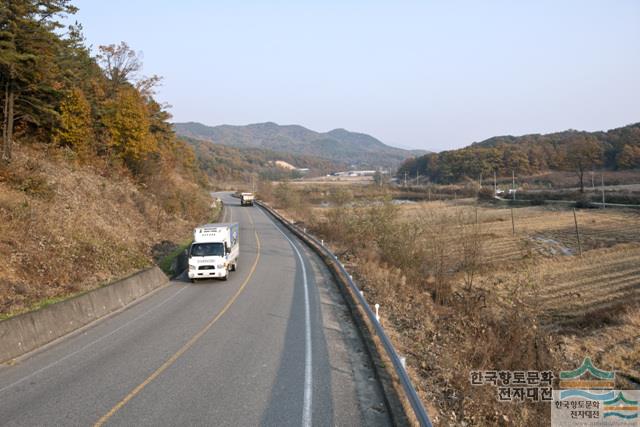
(66, 228)
(533, 302)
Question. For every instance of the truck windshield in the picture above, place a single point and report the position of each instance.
(207, 249)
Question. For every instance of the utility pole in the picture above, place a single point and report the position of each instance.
(513, 183)
(495, 186)
(417, 177)
(602, 183)
(593, 185)
(405, 179)
(513, 224)
(575, 220)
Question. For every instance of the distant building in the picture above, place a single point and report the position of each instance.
(356, 173)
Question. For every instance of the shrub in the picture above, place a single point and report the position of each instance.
(486, 193)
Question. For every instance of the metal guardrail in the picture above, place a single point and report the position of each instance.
(416, 404)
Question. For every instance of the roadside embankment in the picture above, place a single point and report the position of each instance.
(67, 228)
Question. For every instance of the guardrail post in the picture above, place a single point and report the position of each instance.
(377, 313)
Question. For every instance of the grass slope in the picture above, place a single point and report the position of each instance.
(66, 228)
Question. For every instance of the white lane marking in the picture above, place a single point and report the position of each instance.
(91, 344)
(306, 408)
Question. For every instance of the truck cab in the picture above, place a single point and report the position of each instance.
(214, 251)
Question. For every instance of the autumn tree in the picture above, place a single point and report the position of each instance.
(75, 125)
(127, 122)
(340, 196)
(629, 157)
(265, 190)
(515, 160)
(582, 153)
(284, 195)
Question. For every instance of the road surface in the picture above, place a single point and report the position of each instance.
(274, 345)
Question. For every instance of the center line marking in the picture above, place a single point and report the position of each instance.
(189, 343)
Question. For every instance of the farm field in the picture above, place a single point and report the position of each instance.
(591, 302)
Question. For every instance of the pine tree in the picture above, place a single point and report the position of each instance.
(28, 69)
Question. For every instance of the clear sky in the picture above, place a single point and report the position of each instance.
(431, 75)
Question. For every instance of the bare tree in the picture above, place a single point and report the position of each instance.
(582, 153)
(471, 240)
(147, 85)
(120, 63)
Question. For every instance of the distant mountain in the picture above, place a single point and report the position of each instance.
(339, 145)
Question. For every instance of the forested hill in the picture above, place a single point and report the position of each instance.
(225, 163)
(97, 109)
(571, 150)
(338, 145)
(94, 185)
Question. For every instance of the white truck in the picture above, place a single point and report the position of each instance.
(214, 251)
(246, 199)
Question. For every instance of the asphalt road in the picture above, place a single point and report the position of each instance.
(273, 345)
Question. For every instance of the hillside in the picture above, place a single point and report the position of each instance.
(67, 228)
(571, 151)
(94, 184)
(222, 162)
(339, 145)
